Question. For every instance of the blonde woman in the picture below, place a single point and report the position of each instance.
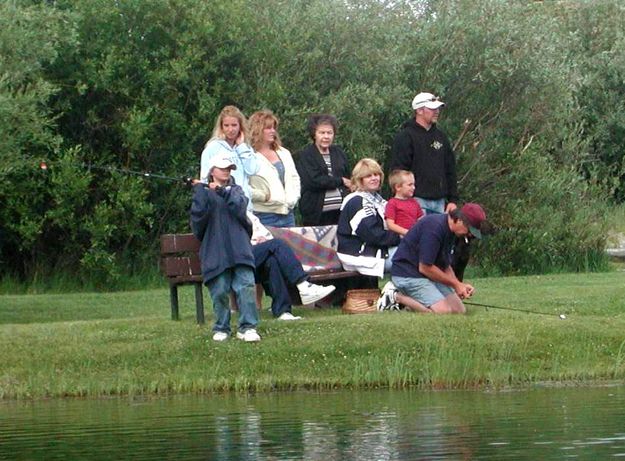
(229, 138)
(275, 188)
(364, 242)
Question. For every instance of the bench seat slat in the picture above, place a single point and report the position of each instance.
(331, 275)
(186, 279)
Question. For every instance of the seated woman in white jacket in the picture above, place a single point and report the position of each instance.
(275, 188)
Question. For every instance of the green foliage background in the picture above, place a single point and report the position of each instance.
(534, 94)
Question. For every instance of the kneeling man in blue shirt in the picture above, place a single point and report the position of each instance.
(422, 264)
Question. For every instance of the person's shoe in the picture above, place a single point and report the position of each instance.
(249, 336)
(220, 336)
(310, 293)
(387, 301)
(289, 316)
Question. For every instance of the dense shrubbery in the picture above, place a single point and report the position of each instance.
(534, 95)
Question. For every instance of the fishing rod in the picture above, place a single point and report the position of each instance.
(527, 311)
(186, 180)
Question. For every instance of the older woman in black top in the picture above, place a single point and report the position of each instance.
(324, 172)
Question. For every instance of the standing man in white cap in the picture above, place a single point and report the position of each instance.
(422, 148)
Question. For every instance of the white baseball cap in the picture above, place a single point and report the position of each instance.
(221, 161)
(426, 100)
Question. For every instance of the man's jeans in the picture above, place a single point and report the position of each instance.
(277, 267)
(432, 206)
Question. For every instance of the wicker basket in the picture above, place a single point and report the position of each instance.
(361, 301)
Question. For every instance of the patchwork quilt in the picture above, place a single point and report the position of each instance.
(314, 247)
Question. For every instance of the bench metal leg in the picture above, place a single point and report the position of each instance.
(173, 297)
(260, 291)
(199, 304)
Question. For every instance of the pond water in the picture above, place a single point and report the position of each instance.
(536, 424)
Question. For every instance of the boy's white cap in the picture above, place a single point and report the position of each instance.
(426, 100)
(221, 161)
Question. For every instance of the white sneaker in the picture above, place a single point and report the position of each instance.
(220, 336)
(289, 316)
(387, 301)
(310, 293)
(249, 336)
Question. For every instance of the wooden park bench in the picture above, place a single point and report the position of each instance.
(180, 261)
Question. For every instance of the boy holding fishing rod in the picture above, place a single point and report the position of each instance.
(219, 221)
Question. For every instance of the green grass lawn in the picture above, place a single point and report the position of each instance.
(125, 343)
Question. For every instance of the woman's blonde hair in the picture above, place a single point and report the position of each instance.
(228, 111)
(258, 122)
(365, 167)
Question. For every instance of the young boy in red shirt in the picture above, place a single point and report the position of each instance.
(402, 211)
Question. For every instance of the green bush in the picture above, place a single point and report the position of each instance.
(138, 85)
(598, 47)
(553, 221)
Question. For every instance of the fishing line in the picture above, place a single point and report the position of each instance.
(527, 311)
(144, 174)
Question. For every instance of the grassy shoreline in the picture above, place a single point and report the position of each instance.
(104, 344)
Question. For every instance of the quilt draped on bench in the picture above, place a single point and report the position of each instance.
(314, 247)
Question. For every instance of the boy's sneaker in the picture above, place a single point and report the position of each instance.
(220, 336)
(310, 293)
(387, 301)
(249, 336)
(289, 316)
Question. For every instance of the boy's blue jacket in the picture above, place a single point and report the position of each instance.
(219, 221)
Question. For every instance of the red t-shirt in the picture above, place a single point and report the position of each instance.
(405, 213)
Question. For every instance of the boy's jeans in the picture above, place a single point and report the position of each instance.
(239, 279)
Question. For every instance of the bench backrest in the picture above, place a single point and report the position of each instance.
(180, 255)
(314, 246)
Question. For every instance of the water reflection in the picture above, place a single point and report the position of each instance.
(382, 425)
